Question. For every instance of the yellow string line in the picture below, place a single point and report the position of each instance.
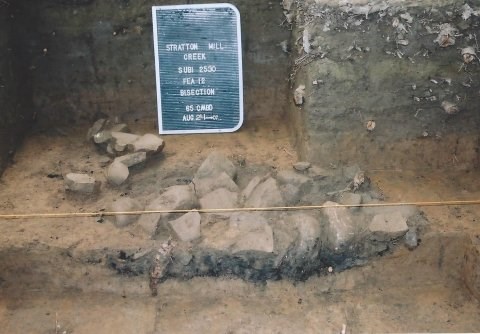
(275, 208)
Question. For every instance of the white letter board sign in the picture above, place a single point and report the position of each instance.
(198, 64)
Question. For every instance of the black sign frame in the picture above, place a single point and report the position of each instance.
(198, 67)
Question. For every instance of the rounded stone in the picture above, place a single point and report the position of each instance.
(117, 173)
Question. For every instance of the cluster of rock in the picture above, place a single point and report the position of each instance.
(126, 149)
(266, 235)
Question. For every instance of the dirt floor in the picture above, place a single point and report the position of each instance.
(47, 286)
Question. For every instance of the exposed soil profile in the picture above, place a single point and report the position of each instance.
(343, 107)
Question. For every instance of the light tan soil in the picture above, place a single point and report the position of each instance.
(407, 291)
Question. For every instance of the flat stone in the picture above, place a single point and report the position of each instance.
(81, 183)
(117, 173)
(121, 140)
(214, 165)
(174, 198)
(96, 128)
(385, 227)
(125, 204)
(220, 199)
(206, 185)
(266, 194)
(302, 166)
(187, 227)
(149, 143)
(341, 228)
(132, 159)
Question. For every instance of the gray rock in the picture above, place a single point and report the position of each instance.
(132, 159)
(125, 204)
(220, 199)
(206, 185)
(385, 227)
(318, 173)
(81, 183)
(149, 143)
(350, 199)
(244, 232)
(187, 227)
(214, 165)
(302, 166)
(121, 140)
(117, 173)
(341, 228)
(102, 137)
(309, 231)
(411, 239)
(250, 187)
(294, 178)
(291, 194)
(174, 198)
(266, 194)
(253, 233)
(96, 128)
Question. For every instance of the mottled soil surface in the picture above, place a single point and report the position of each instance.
(46, 281)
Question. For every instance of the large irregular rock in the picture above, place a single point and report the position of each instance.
(254, 233)
(220, 199)
(245, 232)
(293, 186)
(214, 165)
(125, 204)
(386, 227)
(174, 198)
(206, 185)
(348, 198)
(340, 229)
(251, 187)
(81, 183)
(187, 227)
(149, 143)
(266, 194)
(309, 232)
(117, 173)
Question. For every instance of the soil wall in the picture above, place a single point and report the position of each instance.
(95, 57)
(390, 65)
(15, 93)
